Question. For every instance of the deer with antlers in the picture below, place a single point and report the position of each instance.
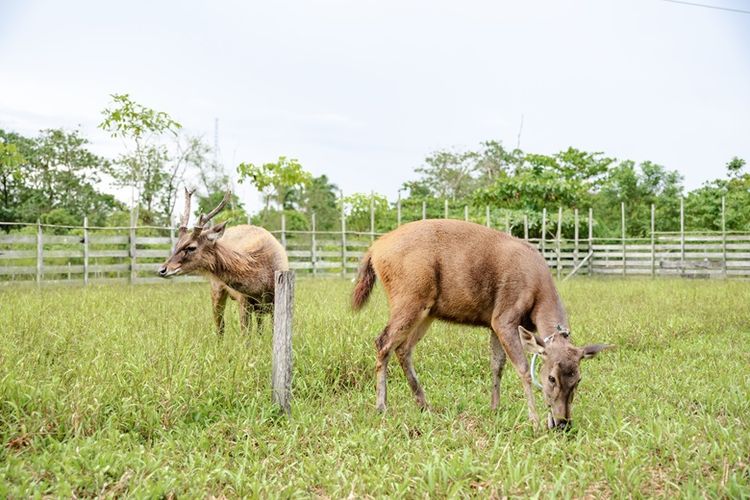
(239, 261)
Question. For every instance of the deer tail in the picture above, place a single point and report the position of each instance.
(365, 282)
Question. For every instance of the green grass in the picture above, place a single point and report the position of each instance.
(126, 391)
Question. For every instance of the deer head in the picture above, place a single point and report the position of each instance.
(560, 372)
(194, 250)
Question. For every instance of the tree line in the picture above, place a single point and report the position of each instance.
(54, 177)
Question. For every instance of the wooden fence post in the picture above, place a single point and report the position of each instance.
(398, 210)
(313, 248)
(591, 241)
(487, 215)
(653, 241)
(624, 252)
(557, 241)
(544, 230)
(424, 210)
(724, 235)
(85, 250)
(283, 230)
(575, 238)
(466, 212)
(526, 227)
(507, 224)
(372, 218)
(682, 235)
(281, 362)
(39, 253)
(132, 248)
(343, 241)
(445, 209)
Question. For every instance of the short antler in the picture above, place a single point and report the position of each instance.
(205, 218)
(186, 213)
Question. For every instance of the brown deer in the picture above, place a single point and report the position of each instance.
(240, 263)
(467, 273)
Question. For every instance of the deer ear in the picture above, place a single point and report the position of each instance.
(530, 342)
(216, 231)
(592, 350)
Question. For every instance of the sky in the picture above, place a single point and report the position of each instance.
(363, 90)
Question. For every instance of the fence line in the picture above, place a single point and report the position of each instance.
(132, 254)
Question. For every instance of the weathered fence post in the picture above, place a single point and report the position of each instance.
(281, 361)
(653, 241)
(85, 250)
(39, 253)
(724, 236)
(575, 238)
(466, 212)
(526, 227)
(591, 240)
(132, 251)
(507, 224)
(445, 209)
(283, 230)
(424, 210)
(343, 241)
(487, 215)
(557, 241)
(398, 210)
(313, 248)
(544, 230)
(624, 252)
(372, 217)
(682, 235)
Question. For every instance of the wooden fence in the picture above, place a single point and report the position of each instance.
(37, 254)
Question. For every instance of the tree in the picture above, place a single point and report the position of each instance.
(276, 180)
(319, 197)
(10, 177)
(143, 167)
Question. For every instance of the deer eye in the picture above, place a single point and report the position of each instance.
(551, 379)
(190, 249)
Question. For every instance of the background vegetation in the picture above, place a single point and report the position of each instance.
(96, 400)
(55, 177)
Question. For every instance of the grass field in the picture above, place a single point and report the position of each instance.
(126, 391)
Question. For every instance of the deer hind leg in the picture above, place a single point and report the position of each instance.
(396, 332)
(506, 328)
(404, 353)
(219, 296)
(497, 363)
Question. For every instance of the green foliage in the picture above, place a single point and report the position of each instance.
(357, 208)
(276, 180)
(54, 170)
(130, 120)
(271, 220)
(124, 391)
(234, 212)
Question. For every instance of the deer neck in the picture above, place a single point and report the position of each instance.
(231, 266)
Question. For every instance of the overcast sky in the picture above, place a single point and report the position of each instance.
(363, 90)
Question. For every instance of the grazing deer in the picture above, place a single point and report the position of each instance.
(240, 263)
(466, 273)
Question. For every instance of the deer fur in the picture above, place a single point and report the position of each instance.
(469, 274)
(239, 262)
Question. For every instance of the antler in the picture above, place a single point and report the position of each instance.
(204, 219)
(186, 213)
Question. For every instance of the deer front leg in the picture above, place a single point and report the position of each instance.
(246, 308)
(497, 363)
(219, 296)
(506, 331)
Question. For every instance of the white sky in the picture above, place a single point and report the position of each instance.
(363, 90)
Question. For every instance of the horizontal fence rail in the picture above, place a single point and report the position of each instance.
(39, 254)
